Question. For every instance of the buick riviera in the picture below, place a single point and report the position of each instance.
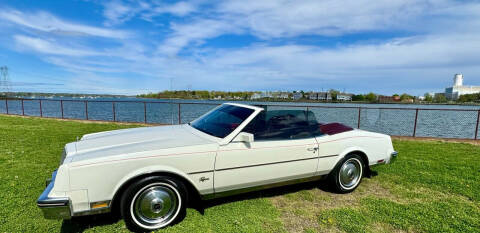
(149, 174)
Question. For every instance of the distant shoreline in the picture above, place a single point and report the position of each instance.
(313, 101)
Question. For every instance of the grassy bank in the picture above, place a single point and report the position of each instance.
(433, 187)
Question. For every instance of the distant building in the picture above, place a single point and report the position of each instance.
(280, 95)
(458, 89)
(324, 96)
(285, 95)
(344, 97)
(297, 95)
(313, 96)
(388, 99)
(261, 95)
(256, 96)
(384, 99)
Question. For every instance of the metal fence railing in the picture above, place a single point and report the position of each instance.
(415, 122)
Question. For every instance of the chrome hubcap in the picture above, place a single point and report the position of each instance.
(155, 205)
(350, 173)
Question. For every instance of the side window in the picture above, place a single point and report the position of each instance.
(256, 126)
(283, 124)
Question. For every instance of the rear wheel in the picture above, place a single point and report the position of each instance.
(153, 203)
(348, 173)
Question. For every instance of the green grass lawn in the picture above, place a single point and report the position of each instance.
(432, 187)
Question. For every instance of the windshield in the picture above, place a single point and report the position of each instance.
(222, 121)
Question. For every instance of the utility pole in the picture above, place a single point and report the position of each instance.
(4, 81)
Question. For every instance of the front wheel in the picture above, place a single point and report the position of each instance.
(153, 203)
(347, 175)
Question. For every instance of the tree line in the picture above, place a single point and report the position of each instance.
(246, 95)
(185, 94)
(469, 98)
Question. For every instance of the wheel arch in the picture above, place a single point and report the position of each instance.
(360, 152)
(192, 191)
(355, 150)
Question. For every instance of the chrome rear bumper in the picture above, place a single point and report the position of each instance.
(393, 157)
(54, 208)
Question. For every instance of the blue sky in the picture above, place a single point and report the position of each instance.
(130, 47)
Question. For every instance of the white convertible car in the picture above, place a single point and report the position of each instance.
(148, 174)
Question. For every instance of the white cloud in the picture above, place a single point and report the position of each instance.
(184, 34)
(80, 65)
(441, 38)
(412, 52)
(117, 11)
(286, 18)
(46, 22)
(178, 9)
(47, 47)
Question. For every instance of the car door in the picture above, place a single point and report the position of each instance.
(283, 149)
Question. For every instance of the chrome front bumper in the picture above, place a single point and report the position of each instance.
(54, 208)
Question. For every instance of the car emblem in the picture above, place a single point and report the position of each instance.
(202, 179)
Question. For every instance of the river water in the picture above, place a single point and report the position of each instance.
(453, 121)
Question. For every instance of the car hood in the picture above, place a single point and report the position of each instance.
(127, 141)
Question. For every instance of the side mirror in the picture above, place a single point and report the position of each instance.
(243, 137)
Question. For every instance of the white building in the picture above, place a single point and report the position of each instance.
(297, 95)
(261, 95)
(344, 97)
(280, 95)
(458, 89)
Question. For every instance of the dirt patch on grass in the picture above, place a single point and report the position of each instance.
(382, 227)
(300, 209)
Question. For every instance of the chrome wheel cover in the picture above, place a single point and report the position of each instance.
(350, 173)
(155, 205)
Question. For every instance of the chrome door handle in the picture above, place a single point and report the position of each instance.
(312, 149)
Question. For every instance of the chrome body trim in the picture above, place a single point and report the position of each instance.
(64, 155)
(264, 164)
(54, 208)
(92, 211)
(261, 187)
